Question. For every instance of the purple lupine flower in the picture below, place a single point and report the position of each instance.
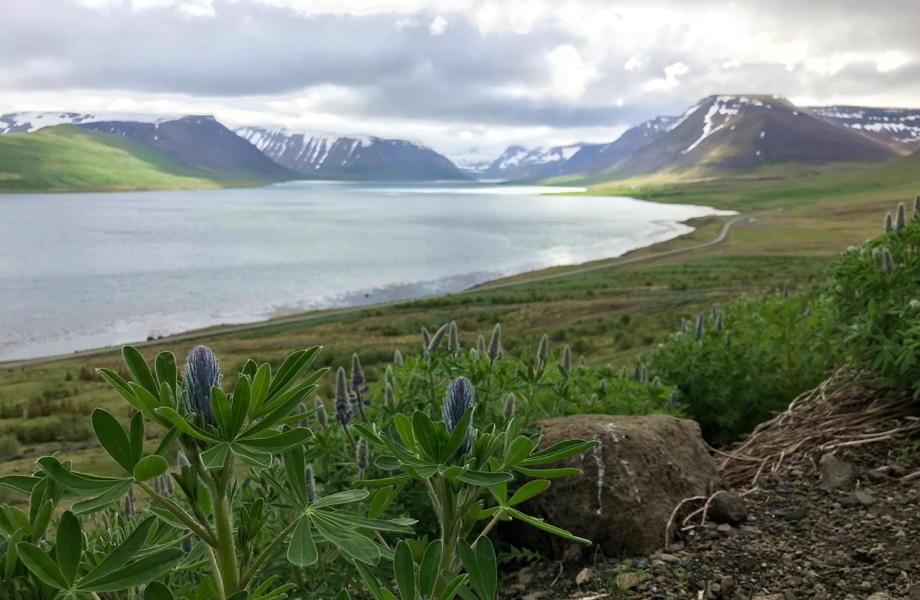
(889, 223)
(398, 359)
(362, 457)
(358, 389)
(460, 397)
(698, 335)
(322, 417)
(495, 344)
(673, 402)
(202, 373)
(888, 261)
(453, 338)
(543, 351)
(720, 322)
(567, 358)
(302, 410)
(343, 413)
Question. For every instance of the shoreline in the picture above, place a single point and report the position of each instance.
(637, 255)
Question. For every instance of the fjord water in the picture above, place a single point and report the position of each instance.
(80, 271)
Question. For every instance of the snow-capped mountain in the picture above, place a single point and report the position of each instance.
(518, 162)
(473, 162)
(595, 158)
(197, 141)
(743, 132)
(27, 122)
(320, 155)
(899, 125)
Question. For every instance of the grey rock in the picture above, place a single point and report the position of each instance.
(726, 507)
(836, 473)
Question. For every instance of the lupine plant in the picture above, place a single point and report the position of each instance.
(875, 301)
(254, 504)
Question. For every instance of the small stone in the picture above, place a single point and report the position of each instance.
(879, 596)
(584, 576)
(669, 558)
(572, 554)
(535, 595)
(728, 585)
(627, 581)
(914, 592)
(796, 514)
(724, 528)
(726, 507)
(864, 497)
(835, 473)
(900, 534)
(770, 597)
(789, 595)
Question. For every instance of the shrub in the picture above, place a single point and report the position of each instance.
(875, 302)
(737, 366)
(9, 446)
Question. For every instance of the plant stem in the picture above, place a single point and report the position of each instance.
(488, 528)
(266, 554)
(223, 521)
(180, 514)
(217, 578)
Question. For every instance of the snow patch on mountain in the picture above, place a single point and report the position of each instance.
(899, 124)
(27, 122)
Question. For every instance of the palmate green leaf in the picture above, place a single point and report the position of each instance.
(380, 501)
(136, 438)
(40, 564)
(518, 451)
(484, 478)
(528, 491)
(558, 452)
(353, 544)
(302, 549)
(291, 369)
(251, 456)
(77, 482)
(404, 428)
(150, 467)
(173, 417)
(107, 498)
(427, 436)
(113, 438)
(20, 483)
(281, 407)
(481, 566)
(239, 410)
(428, 571)
(349, 521)
(221, 406)
(404, 570)
(541, 524)
(139, 370)
(142, 571)
(123, 553)
(259, 391)
(345, 497)
(157, 590)
(69, 546)
(214, 457)
(295, 466)
(275, 443)
(122, 387)
(167, 372)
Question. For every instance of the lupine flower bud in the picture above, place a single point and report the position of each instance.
(592, 401)
(720, 322)
(182, 460)
(357, 373)
(343, 414)
(438, 338)
(322, 417)
(460, 398)
(543, 350)
(362, 454)
(656, 383)
(567, 358)
(889, 223)
(453, 338)
(581, 364)
(673, 402)
(389, 396)
(495, 344)
(398, 359)
(389, 377)
(624, 373)
(900, 220)
(637, 373)
(888, 260)
(917, 207)
(186, 544)
(914, 306)
(481, 343)
(508, 412)
(426, 338)
(643, 378)
(602, 389)
(302, 410)
(311, 484)
(698, 335)
(202, 373)
(877, 257)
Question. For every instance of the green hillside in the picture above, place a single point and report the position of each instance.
(67, 158)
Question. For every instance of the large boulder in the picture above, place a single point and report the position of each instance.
(630, 485)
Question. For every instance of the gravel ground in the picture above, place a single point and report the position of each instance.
(858, 539)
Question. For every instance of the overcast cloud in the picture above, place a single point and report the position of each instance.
(455, 74)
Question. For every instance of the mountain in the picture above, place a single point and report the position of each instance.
(200, 142)
(898, 125)
(595, 158)
(66, 158)
(518, 163)
(742, 133)
(472, 162)
(351, 157)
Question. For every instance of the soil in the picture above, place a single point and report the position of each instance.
(801, 540)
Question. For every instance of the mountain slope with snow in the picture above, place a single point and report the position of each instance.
(197, 141)
(518, 163)
(742, 133)
(318, 155)
(898, 125)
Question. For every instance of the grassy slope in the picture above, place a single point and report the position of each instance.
(67, 158)
(608, 315)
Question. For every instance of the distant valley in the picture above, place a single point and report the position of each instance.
(719, 136)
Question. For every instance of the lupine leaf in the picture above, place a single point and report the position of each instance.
(166, 369)
(125, 551)
(429, 569)
(142, 571)
(150, 467)
(528, 491)
(113, 438)
(40, 564)
(302, 549)
(139, 370)
(156, 590)
(69, 546)
(345, 497)
(113, 494)
(404, 570)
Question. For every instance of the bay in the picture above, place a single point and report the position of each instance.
(80, 271)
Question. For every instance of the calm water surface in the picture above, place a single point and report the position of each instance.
(80, 271)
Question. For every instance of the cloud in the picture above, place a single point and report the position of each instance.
(544, 70)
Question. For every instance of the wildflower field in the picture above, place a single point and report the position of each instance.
(385, 462)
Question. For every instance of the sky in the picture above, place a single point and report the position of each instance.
(466, 77)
